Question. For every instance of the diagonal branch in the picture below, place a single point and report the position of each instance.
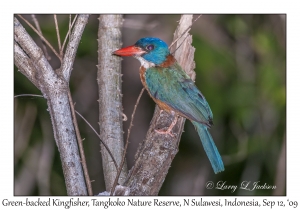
(37, 25)
(69, 57)
(182, 34)
(24, 64)
(69, 31)
(32, 50)
(58, 35)
(42, 37)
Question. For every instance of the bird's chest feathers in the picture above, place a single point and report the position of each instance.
(161, 105)
(170, 60)
(143, 76)
(144, 66)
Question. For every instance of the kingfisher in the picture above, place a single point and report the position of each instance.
(173, 91)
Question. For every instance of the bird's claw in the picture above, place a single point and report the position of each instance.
(167, 132)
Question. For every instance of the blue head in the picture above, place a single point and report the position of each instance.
(151, 49)
(156, 49)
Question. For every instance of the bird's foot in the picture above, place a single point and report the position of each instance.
(167, 132)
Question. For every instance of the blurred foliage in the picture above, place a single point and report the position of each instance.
(241, 70)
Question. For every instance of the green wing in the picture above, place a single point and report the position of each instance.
(174, 87)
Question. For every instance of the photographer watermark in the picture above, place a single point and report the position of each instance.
(245, 185)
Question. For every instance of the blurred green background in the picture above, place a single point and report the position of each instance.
(240, 69)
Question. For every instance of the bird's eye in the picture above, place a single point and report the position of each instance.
(150, 47)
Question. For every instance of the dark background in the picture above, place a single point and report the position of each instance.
(240, 69)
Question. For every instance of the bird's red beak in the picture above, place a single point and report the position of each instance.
(129, 51)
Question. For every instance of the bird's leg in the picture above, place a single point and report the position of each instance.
(168, 131)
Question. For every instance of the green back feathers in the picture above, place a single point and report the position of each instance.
(173, 86)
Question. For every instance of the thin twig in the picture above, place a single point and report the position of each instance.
(28, 95)
(81, 150)
(126, 144)
(42, 37)
(58, 35)
(69, 33)
(69, 30)
(180, 45)
(70, 23)
(106, 147)
(37, 25)
(186, 31)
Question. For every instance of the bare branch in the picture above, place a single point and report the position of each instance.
(185, 54)
(42, 37)
(81, 150)
(69, 32)
(66, 69)
(35, 53)
(110, 97)
(33, 95)
(24, 64)
(58, 35)
(37, 25)
(55, 90)
(182, 34)
(69, 57)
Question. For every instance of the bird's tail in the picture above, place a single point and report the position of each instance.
(209, 147)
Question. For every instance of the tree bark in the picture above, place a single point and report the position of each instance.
(31, 61)
(155, 155)
(110, 97)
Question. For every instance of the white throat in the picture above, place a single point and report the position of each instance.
(144, 63)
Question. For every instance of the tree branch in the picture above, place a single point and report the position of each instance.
(80, 145)
(37, 25)
(24, 64)
(42, 37)
(69, 31)
(55, 90)
(110, 97)
(69, 57)
(58, 35)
